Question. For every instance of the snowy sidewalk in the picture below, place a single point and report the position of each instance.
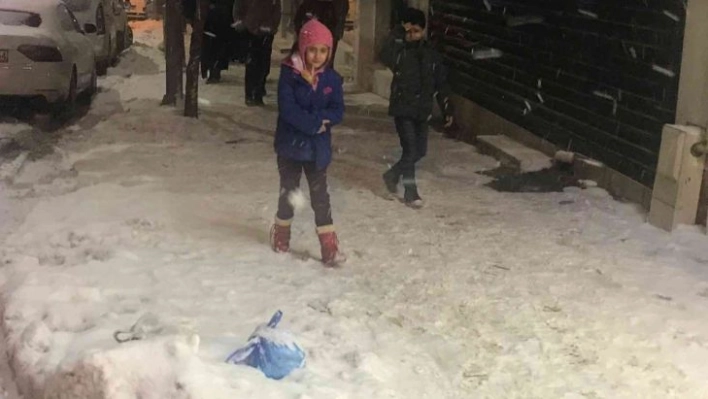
(480, 295)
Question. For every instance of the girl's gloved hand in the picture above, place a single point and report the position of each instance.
(308, 76)
(323, 128)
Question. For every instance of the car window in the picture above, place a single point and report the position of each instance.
(78, 5)
(68, 21)
(20, 18)
(75, 21)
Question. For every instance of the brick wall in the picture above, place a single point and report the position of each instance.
(599, 77)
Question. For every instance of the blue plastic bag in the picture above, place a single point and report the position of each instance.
(272, 351)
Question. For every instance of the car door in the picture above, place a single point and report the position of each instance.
(104, 31)
(85, 45)
(79, 47)
(109, 20)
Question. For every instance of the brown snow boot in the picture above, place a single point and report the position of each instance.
(280, 235)
(329, 243)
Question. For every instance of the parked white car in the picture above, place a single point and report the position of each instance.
(100, 14)
(44, 53)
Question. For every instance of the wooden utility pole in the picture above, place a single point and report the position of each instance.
(174, 53)
(191, 104)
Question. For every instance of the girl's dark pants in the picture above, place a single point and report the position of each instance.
(290, 174)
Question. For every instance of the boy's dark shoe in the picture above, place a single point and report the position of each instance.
(255, 101)
(412, 198)
(416, 204)
(214, 76)
(390, 178)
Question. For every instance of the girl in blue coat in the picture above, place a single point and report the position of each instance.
(310, 102)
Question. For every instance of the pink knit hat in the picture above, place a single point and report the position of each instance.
(312, 33)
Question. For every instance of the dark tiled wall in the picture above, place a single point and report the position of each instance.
(596, 77)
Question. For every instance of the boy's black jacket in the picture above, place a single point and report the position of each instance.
(414, 66)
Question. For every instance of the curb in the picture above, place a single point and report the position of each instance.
(512, 153)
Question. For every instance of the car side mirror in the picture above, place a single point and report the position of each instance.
(90, 28)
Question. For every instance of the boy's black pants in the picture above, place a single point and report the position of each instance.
(290, 174)
(413, 135)
(258, 65)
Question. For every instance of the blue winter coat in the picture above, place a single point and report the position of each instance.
(302, 109)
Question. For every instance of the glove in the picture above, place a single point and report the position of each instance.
(238, 25)
(323, 128)
(449, 120)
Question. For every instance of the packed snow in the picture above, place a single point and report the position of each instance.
(144, 213)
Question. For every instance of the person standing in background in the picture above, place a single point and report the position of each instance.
(260, 18)
(239, 39)
(331, 13)
(217, 40)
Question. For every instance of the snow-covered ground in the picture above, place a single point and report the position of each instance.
(479, 295)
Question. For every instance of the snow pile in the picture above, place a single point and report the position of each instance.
(138, 60)
(9, 169)
(148, 32)
(8, 130)
(164, 368)
(138, 75)
(66, 300)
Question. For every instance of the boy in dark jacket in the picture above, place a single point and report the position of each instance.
(413, 62)
(261, 19)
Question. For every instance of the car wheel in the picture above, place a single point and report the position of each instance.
(120, 38)
(88, 94)
(66, 108)
(129, 37)
(93, 87)
(114, 53)
(102, 67)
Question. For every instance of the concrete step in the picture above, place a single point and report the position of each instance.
(512, 153)
(366, 104)
(382, 83)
